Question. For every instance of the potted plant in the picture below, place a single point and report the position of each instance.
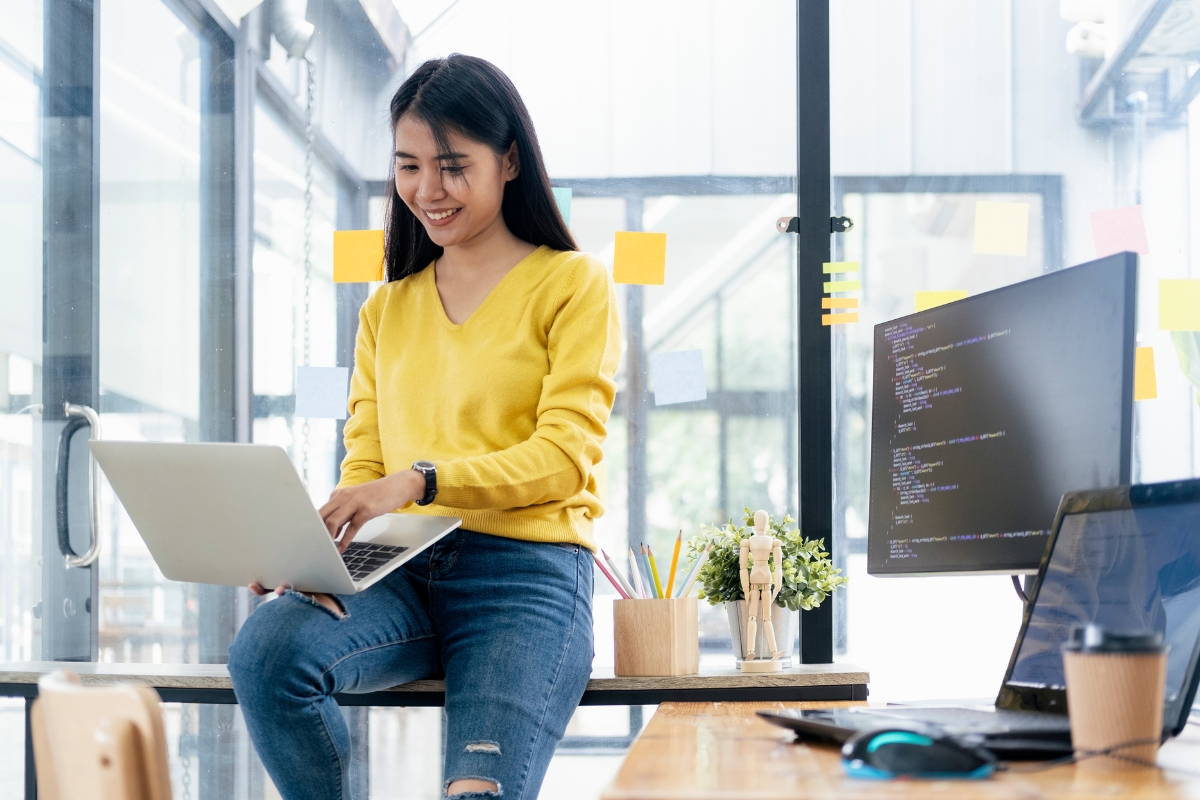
(808, 577)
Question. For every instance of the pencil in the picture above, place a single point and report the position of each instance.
(647, 575)
(635, 575)
(612, 567)
(608, 575)
(654, 571)
(695, 573)
(674, 564)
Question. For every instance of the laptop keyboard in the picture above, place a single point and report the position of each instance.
(363, 558)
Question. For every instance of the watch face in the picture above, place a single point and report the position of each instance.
(423, 465)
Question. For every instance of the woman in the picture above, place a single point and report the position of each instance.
(487, 360)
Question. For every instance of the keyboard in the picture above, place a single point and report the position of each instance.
(363, 558)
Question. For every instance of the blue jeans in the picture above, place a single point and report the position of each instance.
(509, 624)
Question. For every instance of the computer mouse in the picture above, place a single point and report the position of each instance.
(890, 753)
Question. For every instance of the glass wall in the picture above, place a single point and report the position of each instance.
(956, 103)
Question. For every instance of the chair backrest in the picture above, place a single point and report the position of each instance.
(98, 742)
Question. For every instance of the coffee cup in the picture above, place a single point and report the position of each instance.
(1115, 685)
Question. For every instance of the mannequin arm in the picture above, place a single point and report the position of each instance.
(777, 570)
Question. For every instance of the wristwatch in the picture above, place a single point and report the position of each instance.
(427, 469)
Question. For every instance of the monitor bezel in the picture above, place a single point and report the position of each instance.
(1129, 263)
(1016, 696)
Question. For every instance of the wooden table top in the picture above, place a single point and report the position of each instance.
(722, 751)
(216, 676)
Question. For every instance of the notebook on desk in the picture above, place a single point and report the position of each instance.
(1127, 559)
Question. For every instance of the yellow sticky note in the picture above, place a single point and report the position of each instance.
(830, 267)
(839, 319)
(932, 299)
(640, 258)
(1179, 304)
(1145, 386)
(357, 256)
(841, 286)
(1001, 229)
(839, 302)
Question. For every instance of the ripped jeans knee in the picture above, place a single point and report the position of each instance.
(304, 597)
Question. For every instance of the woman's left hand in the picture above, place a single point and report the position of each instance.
(355, 506)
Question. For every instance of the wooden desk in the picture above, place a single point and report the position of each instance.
(703, 751)
(209, 683)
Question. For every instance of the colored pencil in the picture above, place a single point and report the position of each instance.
(635, 575)
(674, 565)
(612, 567)
(647, 575)
(695, 572)
(654, 571)
(610, 577)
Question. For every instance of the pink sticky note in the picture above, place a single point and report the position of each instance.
(1117, 230)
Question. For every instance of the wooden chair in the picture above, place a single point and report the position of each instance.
(99, 742)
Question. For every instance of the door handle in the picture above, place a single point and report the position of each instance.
(77, 417)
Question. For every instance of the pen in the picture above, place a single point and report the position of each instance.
(617, 574)
(654, 572)
(674, 565)
(635, 575)
(694, 573)
(608, 575)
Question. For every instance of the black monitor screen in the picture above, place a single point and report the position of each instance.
(985, 411)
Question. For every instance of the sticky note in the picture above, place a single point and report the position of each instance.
(357, 256)
(321, 392)
(640, 258)
(1179, 304)
(830, 267)
(1145, 387)
(841, 286)
(839, 302)
(1117, 230)
(839, 319)
(678, 377)
(562, 196)
(1001, 229)
(932, 299)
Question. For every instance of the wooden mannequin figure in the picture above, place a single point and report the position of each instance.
(760, 586)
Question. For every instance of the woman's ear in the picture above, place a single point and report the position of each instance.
(510, 162)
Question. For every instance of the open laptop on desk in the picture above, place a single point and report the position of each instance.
(1126, 558)
(235, 514)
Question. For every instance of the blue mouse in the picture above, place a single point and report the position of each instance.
(886, 753)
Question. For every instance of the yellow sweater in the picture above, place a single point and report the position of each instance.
(511, 406)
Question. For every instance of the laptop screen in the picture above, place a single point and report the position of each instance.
(1130, 570)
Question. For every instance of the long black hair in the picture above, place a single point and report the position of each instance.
(474, 98)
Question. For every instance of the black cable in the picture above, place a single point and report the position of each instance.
(1016, 579)
(1075, 758)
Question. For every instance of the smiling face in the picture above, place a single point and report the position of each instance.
(457, 194)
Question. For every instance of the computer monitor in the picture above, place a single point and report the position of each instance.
(985, 411)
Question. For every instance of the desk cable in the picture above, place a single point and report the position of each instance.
(1075, 758)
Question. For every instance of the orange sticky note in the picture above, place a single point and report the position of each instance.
(933, 299)
(1179, 304)
(357, 256)
(1145, 386)
(839, 302)
(839, 319)
(640, 258)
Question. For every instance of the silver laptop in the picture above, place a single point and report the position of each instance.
(235, 514)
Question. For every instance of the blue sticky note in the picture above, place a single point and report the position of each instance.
(321, 392)
(562, 196)
(678, 377)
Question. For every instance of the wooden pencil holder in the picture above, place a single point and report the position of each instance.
(656, 638)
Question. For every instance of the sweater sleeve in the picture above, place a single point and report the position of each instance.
(584, 348)
(364, 454)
